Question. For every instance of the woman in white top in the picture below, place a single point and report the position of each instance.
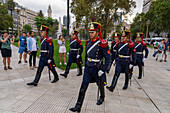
(62, 48)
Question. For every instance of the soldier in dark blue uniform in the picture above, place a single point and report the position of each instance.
(46, 58)
(140, 46)
(75, 52)
(96, 50)
(113, 51)
(125, 49)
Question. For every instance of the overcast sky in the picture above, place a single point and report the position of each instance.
(59, 7)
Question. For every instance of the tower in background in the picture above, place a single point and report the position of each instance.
(49, 11)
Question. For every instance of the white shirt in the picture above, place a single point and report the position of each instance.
(34, 45)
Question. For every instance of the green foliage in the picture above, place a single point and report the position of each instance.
(139, 23)
(56, 54)
(48, 21)
(11, 5)
(40, 14)
(6, 20)
(27, 28)
(158, 15)
(103, 11)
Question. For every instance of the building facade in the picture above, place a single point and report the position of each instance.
(65, 20)
(146, 5)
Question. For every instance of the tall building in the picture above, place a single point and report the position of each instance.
(65, 20)
(3, 1)
(146, 5)
(49, 11)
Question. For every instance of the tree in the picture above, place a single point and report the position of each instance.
(139, 23)
(40, 14)
(6, 20)
(11, 7)
(38, 22)
(159, 17)
(103, 11)
(27, 28)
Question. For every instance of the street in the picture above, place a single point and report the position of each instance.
(151, 94)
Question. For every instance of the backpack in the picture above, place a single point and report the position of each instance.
(1, 43)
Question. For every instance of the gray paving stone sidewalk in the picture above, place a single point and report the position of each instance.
(149, 95)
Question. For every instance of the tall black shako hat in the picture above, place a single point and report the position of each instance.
(95, 26)
(116, 34)
(126, 33)
(44, 28)
(139, 34)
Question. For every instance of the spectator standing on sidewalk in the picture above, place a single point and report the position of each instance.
(32, 49)
(6, 51)
(62, 48)
(22, 47)
(166, 50)
(161, 48)
(156, 43)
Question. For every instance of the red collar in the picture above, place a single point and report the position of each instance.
(125, 42)
(95, 39)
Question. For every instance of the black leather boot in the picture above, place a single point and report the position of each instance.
(80, 100)
(140, 72)
(114, 82)
(66, 71)
(55, 76)
(108, 69)
(101, 99)
(126, 82)
(37, 77)
(80, 70)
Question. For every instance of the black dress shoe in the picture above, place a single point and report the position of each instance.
(32, 84)
(79, 74)
(75, 109)
(125, 87)
(64, 75)
(100, 101)
(139, 77)
(110, 88)
(55, 80)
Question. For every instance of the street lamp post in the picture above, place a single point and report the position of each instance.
(68, 19)
(147, 25)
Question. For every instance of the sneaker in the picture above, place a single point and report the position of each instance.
(19, 62)
(35, 66)
(65, 63)
(31, 68)
(9, 67)
(165, 60)
(160, 60)
(24, 63)
(60, 63)
(156, 59)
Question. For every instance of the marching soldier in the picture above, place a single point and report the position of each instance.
(140, 46)
(46, 58)
(75, 52)
(125, 49)
(96, 50)
(113, 56)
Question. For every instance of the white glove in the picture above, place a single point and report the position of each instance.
(49, 61)
(114, 62)
(100, 73)
(78, 56)
(67, 54)
(130, 66)
(143, 59)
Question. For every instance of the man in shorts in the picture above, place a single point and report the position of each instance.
(22, 46)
